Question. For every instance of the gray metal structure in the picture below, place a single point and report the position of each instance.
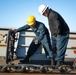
(24, 41)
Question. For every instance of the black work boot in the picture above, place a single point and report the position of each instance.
(58, 64)
(52, 66)
(25, 60)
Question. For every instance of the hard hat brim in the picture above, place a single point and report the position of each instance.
(30, 22)
(44, 10)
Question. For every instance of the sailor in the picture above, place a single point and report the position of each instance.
(42, 37)
(59, 32)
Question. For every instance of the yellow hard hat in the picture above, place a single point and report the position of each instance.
(31, 20)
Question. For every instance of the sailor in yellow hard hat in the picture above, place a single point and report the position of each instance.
(42, 37)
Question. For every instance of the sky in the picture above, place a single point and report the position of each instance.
(14, 13)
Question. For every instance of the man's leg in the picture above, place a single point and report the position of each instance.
(32, 49)
(62, 42)
(53, 43)
(48, 51)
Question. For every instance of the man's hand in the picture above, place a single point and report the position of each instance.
(14, 30)
(36, 41)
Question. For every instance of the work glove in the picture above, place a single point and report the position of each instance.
(15, 30)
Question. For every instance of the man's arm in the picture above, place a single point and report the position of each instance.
(42, 31)
(23, 28)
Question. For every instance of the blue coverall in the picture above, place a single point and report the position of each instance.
(42, 35)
